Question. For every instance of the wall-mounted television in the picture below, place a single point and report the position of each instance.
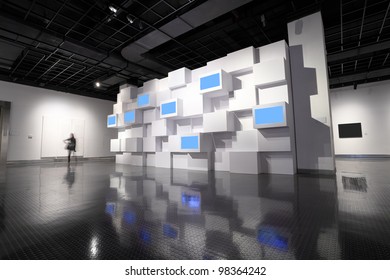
(168, 108)
(210, 81)
(189, 142)
(111, 121)
(143, 100)
(350, 130)
(129, 117)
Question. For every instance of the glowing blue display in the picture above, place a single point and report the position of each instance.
(210, 81)
(168, 108)
(271, 237)
(269, 115)
(129, 217)
(169, 231)
(143, 100)
(130, 116)
(192, 201)
(190, 142)
(111, 120)
(110, 209)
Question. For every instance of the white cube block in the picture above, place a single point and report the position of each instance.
(193, 106)
(150, 159)
(115, 145)
(119, 159)
(172, 108)
(152, 144)
(126, 158)
(273, 51)
(124, 133)
(163, 160)
(270, 73)
(137, 132)
(244, 99)
(162, 96)
(127, 93)
(245, 162)
(150, 115)
(273, 95)
(183, 126)
(131, 145)
(146, 100)
(179, 78)
(222, 161)
(179, 161)
(270, 115)
(151, 86)
(275, 140)
(247, 140)
(137, 159)
(218, 121)
(199, 161)
(215, 84)
(162, 127)
(240, 61)
(278, 163)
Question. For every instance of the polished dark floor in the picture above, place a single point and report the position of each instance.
(99, 210)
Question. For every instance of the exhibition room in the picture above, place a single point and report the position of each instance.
(194, 130)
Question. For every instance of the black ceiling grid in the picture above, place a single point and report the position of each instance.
(68, 45)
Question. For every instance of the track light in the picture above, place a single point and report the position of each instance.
(112, 9)
(130, 19)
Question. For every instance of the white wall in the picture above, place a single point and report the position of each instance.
(369, 104)
(310, 94)
(30, 104)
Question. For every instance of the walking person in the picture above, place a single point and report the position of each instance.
(70, 146)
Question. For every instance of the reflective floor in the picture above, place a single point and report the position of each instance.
(97, 210)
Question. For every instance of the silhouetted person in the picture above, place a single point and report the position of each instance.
(70, 145)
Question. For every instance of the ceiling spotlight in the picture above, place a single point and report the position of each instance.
(97, 84)
(130, 19)
(112, 9)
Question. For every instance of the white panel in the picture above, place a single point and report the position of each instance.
(150, 115)
(119, 158)
(162, 96)
(174, 143)
(274, 140)
(179, 92)
(239, 61)
(179, 78)
(220, 103)
(115, 145)
(150, 159)
(137, 132)
(150, 144)
(270, 72)
(273, 51)
(245, 162)
(137, 159)
(183, 126)
(243, 99)
(277, 163)
(131, 145)
(273, 94)
(126, 158)
(163, 84)
(197, 125)
(246, 141)
(193, 105)
(218, 121)
(150, 86)
(163, 159)
(162, 127)
(180, 161)
(222, 161)
(199, 161)
(124, 133)
(127, 93)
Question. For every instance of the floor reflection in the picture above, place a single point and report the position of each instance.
(99, 210)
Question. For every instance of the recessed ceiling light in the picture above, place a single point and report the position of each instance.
(112, 9)
(97, 84)
(130, 19)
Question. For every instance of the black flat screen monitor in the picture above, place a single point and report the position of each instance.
(350, 130)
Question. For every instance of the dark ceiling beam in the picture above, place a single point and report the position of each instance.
(359, 77)
(345, 55)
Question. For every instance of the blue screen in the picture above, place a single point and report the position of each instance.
(130, 116)
(169, 231)
(271, 237)
(168, 108)
(210, 81)
(111, 120)
(269, 115)
(143, 100)
(192, 201)
(190, 142)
